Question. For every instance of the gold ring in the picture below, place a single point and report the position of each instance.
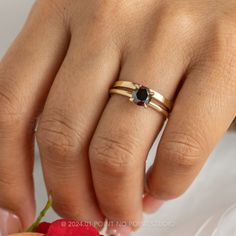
(142, 96)
(148, 93)
(151, 104)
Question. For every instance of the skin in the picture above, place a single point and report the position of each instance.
(93, 147)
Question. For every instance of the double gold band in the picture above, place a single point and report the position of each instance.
(142, 96)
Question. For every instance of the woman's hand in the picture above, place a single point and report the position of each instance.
(93, 147)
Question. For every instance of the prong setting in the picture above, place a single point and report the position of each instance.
(141, 96)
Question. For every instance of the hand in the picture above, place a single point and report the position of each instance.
(93, 148)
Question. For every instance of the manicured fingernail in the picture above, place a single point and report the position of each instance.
(119, 231)
(9, 223)
(151, 204)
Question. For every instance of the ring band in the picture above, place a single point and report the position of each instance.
(165, 103)
(151, 104)
(142, 96)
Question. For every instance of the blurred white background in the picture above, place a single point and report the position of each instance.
(200, 209)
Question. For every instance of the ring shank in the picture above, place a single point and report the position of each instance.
(157, 96)
(151, 104)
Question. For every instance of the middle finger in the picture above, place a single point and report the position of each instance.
(72, 110)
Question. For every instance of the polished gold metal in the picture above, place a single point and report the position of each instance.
(129, 94)
(127, 85)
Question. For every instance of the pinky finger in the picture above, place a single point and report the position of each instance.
(203, 111)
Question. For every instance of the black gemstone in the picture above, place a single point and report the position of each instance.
(142, 94)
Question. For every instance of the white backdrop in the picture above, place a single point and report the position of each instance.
(209, 197)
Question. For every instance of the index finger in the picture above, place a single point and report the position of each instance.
(26, 73)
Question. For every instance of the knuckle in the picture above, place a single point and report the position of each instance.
(58, 7)
(183, 22)
(56, 135)
(111, 155)
(103, 22)
(53, 140)
(182, 152)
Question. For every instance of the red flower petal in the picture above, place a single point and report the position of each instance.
(71, 228)
(43, 227)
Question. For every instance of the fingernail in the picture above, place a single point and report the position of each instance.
(9, 223)
(151, 204)
(119, 230)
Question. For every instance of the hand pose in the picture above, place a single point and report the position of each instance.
(93, 146)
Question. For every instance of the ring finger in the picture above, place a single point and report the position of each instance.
(125, 134)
